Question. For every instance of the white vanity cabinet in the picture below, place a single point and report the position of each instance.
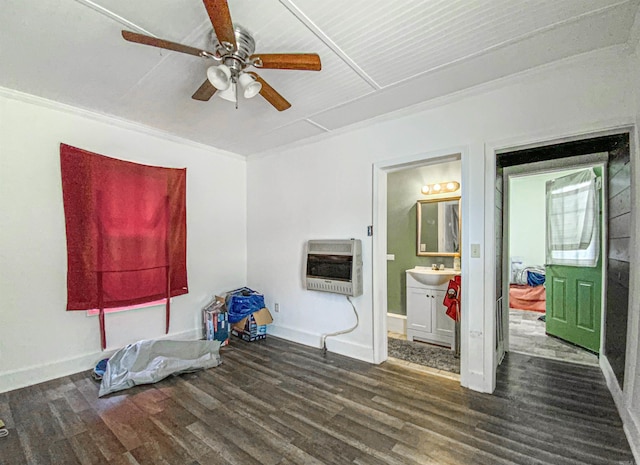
(426, 317)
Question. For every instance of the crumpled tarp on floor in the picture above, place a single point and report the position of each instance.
(150, 361)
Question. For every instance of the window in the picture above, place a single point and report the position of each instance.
(573, 233)
(126, 232)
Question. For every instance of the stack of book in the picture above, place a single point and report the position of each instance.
(216, 322)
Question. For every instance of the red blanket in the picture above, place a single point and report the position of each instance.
(527, 298)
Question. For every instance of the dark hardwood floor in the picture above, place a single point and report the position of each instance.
(273, 402)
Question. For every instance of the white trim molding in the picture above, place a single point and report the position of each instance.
(397, 323)
(334, 344)
(475, 374)
(15, 379)
(112, 120)
(630, 422)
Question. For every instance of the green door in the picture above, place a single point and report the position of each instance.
(574, 294)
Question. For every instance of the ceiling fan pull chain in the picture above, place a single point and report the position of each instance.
(235, 85)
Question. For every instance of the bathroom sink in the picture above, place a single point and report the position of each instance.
(430, 277)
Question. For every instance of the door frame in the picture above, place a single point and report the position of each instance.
(380, 170)
(550, 166)
(551, 137)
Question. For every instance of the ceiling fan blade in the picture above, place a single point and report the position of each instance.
(302, 61)
(204, 92)
(220, 17)
(160, 43)
(270, 94)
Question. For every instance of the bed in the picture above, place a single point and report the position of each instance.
(527, 291)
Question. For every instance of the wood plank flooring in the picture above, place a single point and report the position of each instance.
(277, 403)
(527, 335)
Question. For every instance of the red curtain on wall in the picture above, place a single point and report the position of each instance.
(126, 232)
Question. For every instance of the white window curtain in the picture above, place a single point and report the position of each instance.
(573, 233)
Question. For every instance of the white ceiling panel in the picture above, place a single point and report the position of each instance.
(517, 57)
(64, 51)
(393, 41)
(173, 20)
(284, 135)
(377, 57)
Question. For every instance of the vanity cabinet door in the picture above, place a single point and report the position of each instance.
(419, 315)
(443, 326)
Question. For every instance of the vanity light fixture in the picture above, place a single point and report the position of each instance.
(440, 187)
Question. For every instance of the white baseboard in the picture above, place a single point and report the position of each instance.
(334, 344)
(397, 323)
(35, 374)
(294, 335)
(630, 422)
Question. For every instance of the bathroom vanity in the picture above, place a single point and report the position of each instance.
(426, 317)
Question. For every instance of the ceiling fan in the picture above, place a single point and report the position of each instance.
(233, 53)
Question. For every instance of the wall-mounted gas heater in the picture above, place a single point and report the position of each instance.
(334, 266)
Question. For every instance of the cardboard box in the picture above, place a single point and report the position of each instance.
(253, 327)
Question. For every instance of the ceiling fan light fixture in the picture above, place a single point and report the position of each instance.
(219, 76)
(233, 50)
(250, 87)
(229, 93)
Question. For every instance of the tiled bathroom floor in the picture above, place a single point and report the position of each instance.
(527, 336)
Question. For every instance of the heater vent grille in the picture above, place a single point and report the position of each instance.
(335, 247)
(330, 286)
(334, 266)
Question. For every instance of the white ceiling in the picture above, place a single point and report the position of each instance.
(377, 56)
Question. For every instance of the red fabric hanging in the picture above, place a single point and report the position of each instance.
(126, 232)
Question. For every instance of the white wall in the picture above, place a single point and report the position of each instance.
(527, 216)
(38, 338)
(324, 189)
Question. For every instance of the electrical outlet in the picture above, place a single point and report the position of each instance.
(276, 308)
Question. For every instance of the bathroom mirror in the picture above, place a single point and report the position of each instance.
(438, 230)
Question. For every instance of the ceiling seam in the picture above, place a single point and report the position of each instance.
(110, 14)
(145, 76)
(319, 126)
(288, 4)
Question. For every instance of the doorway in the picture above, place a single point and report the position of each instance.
(418, 231)
(535, 286)
(616, 225)
(380, 173)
